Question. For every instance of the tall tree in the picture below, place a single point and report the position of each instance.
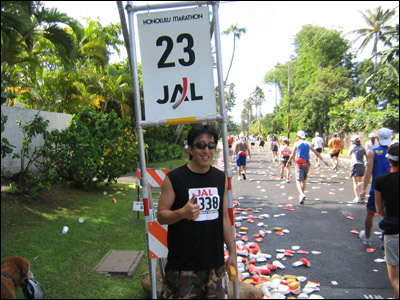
(377, 21)
(237, 33)
(318, 72)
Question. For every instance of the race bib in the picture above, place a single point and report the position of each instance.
(209, 201)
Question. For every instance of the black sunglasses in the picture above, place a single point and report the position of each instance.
(202, 145)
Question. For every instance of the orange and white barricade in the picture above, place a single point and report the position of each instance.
(155, 179)
(158, 245)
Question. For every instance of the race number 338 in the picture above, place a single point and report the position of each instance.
(209, 201)
(176, 63)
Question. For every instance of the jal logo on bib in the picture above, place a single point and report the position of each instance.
(209, 201)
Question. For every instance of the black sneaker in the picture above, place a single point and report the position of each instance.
(244, 176)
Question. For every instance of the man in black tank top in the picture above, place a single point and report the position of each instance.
(193, 203)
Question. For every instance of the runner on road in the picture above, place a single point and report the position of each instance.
(302, 150)
(377, 165)
(285, 154)
(335, 146)
(318, 144)
(241, 150)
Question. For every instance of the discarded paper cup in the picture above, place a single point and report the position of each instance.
(81, 220)
(265, 271)
(114, 200)
(65, 229)
(306, 262)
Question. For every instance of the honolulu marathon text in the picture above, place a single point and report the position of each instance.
(173, 19)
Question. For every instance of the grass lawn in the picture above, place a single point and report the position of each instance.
(63, 263)
(171, 164)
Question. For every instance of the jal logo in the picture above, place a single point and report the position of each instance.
(179, 90)
(204, 192)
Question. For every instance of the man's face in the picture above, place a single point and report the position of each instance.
(202, 157)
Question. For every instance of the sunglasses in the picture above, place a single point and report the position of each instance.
(202, 145)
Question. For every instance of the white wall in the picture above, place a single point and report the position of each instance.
(14, 134)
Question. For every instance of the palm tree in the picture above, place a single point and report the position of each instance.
(377, 22)
(237, 32)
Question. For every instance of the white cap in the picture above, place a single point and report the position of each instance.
(385, 136)
(372, 135)
(317, 133)
(301, 134)
(355, 138)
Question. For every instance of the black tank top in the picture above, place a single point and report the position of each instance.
(197, 245)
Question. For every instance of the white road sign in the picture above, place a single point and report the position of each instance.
(176, 64)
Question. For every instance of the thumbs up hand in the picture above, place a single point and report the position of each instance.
(191, 211)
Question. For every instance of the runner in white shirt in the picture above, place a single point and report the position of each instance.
(318, 144)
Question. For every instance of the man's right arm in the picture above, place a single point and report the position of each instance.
(167, 216)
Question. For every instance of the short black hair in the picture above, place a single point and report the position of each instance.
(199, 129)
(394, 151)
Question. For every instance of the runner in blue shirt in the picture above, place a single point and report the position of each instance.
(302, 149)
(377, 165)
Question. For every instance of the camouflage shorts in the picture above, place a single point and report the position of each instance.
(193, 284)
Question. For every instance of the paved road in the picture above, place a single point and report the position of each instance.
(321, 224)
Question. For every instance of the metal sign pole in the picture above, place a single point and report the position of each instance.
(228, 170)
(140, 124)
(148, 217)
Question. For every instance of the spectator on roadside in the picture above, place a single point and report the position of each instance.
(194, 204)
(335, 146)
(372, 143)
(318, 144)
(357, 153)
(377, 165)
(302, 150)
(387, 205)
(241, 150)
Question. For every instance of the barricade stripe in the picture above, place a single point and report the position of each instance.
(159, 233)
(152, 182)
(152, 255)
(158, 181)
(155, 178)
(158, 249)
(162, 174)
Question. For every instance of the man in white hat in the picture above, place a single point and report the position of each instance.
(302, 150)
(372, 143)
(377, 165)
